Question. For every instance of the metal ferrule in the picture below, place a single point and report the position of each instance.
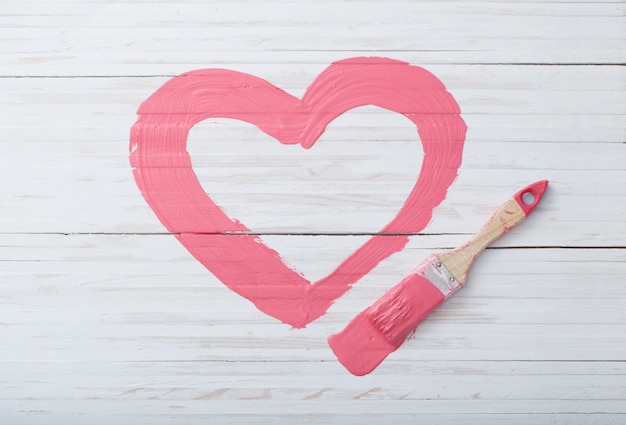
(438, 274)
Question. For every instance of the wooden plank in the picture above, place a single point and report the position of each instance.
(53, 288)
(78, 43)
(45, 146)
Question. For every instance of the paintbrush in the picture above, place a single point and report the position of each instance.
(381, 328)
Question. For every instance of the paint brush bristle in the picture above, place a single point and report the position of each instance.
(383, 327)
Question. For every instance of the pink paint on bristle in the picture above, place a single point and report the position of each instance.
(382, 328)
(164, 174)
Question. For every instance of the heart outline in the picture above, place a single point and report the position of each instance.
(163, 170)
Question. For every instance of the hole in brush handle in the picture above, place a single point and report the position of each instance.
(529, 197)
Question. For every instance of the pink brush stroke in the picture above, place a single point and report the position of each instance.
(164, 174)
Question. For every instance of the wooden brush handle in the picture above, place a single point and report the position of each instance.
(380, 329)
(509, 215)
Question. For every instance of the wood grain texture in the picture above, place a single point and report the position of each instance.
(459, 260)
(105, 318)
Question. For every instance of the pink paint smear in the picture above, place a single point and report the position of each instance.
(164, 174)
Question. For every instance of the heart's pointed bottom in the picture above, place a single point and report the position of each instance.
(258, 273)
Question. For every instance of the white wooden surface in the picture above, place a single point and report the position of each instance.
(105, 318)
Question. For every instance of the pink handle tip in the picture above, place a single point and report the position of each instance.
(529, 197)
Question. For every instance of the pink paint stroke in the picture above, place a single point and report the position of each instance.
(164, 174)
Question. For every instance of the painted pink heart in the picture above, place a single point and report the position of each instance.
(242, 261)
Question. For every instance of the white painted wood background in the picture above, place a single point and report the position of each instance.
(106, 319)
